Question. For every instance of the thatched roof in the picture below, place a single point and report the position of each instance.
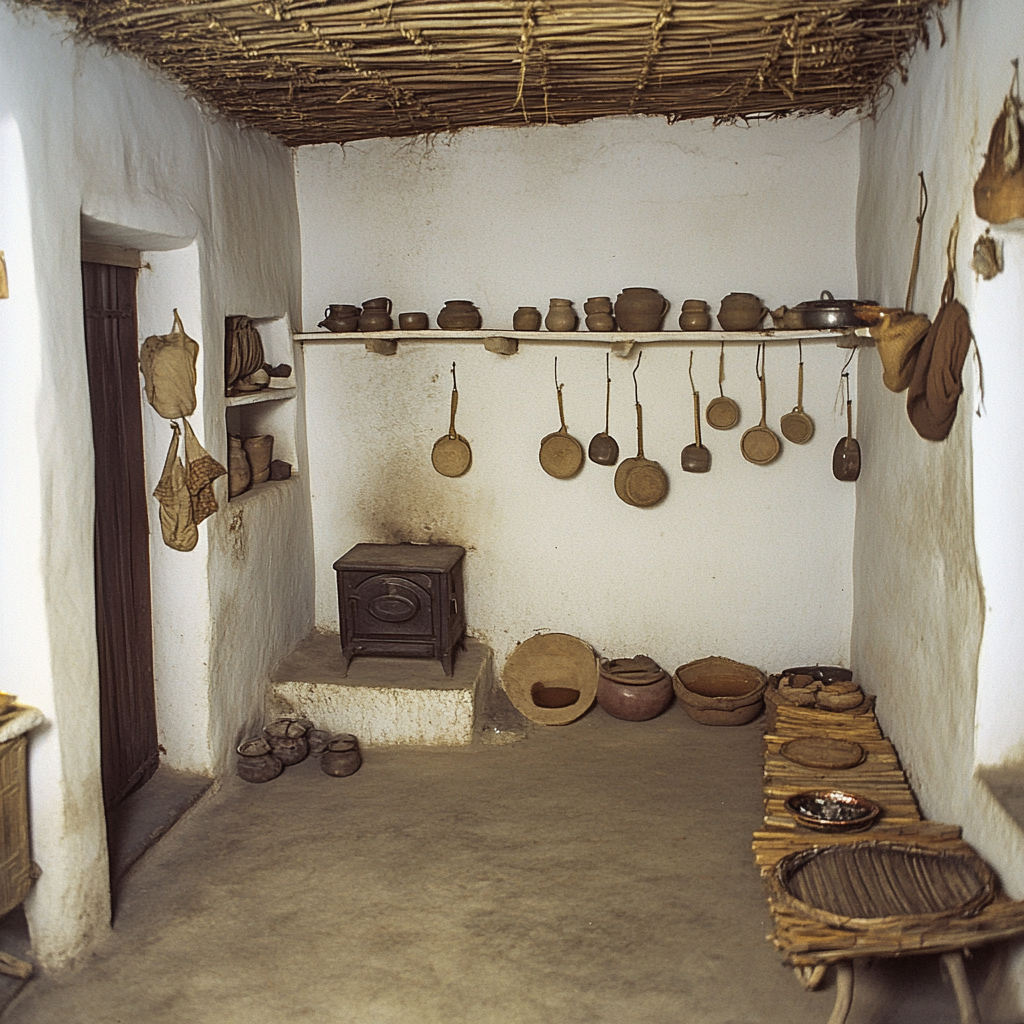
(311, 71)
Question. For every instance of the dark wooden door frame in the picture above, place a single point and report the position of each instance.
(124, 624)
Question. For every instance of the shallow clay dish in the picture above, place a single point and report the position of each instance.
(832, 810)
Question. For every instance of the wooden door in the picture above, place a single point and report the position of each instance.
(124, 626)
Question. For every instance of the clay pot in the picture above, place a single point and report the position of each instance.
(597, 304)
(561, 316)
(413, 321)
(260, 451)
(741, 311)
(694, 316)
(459, 315)
(341, 757)
(632, 702)
(317, 740)
(256, 763)
(374, 319)
(600, 322)
(640, 309)
(345, 326)
(526, 318)
(287, 739)
(239, 473)
(383, 303)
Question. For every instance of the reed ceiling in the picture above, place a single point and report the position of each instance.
(315, 71)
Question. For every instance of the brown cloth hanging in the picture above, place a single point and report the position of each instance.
(936, 385)
(176, 523)
(201, 469)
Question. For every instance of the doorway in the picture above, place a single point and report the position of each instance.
(124, 623)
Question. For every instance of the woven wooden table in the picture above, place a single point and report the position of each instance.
(810, 944)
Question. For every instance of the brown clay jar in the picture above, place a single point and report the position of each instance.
(640, 309)
(600, 322)
(287, 739)
(239, 472)
(634, 703)
(256, 763)
(459, 315)
(260, 452)
(526, 318)
(597, 304)
(561, 316)
(342, 757)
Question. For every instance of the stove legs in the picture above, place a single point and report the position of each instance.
(844, 992)
(954, 964)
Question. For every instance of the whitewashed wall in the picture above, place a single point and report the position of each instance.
(90, 134)
(750, 562)
(937, 573)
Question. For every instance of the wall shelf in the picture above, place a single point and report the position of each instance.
(621, 342)
(266, 395)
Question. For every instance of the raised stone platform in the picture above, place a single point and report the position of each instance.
(383, 701)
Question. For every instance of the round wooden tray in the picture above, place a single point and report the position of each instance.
(821, 752)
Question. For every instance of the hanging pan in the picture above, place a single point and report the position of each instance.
(640, 481)
(695, 457)
(760, 444)
(797, 426)
(604, 449)
(561, 455)
(722, 413)
(846, 456)
(451, 455)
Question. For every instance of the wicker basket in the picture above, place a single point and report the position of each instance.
(720, 691)
(865, 886)
(15, 865)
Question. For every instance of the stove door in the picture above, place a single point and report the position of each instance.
(393, 606)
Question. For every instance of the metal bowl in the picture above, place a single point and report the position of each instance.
(832, 810)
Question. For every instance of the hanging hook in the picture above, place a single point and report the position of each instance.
(759, 362)
(800, 347)
(636, 389)
(455, 386)
(693, 387)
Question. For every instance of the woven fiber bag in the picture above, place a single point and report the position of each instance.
(178, 527)
(999, 190)
(168, 363)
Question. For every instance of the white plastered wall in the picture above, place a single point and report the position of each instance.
(938, 554)
(90, 137)
(751, 562)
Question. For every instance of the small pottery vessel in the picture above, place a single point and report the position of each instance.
(317, 740)
(287, 739)
(344, 326)
(741, 311)
(381, 303)
(695, 320)
(640, 309)
(597, 304)
(239, 473)
(341, 757)
(413, 321)
(341, 311)
(259, 768)
(260, 451)
(526, 318)
(632, 702)
(600, 322)
(459, 315)
(374, 319)
(561, 316)
(280, 470)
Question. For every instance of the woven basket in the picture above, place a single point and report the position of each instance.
(864, 886)
(720, 691)
(15, 864)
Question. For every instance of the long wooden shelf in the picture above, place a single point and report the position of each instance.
(621, 342)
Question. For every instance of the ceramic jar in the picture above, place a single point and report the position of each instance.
(561, 316)
(287, 739)
(376, 315)
(640, 309)
(260, 452)
(694, 316)
(741, 311)
(342, 756)
(600, 322)
(632, 702)
(526, 318)
(459, 315)
(256, 763)
(597, 304)
(340, 318)
(239, 473)
(413, 321)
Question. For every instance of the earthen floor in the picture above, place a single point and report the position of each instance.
(597, 873)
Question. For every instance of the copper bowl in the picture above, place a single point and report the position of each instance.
(832, 810)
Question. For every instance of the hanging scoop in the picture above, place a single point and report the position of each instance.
(760, 444)
(722, 413)
(797, 426)
(604, 449)
(561, 455)
(695, 458)
(452, 455)
(846, 456)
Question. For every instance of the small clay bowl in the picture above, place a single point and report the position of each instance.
(832, 810)
(597, 304)
(600, 322)
(413, 321)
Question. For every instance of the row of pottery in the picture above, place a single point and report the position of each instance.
(251, 461)
(289, 741)
(639, 310)
(554, 678)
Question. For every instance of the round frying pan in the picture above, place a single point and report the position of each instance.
(760, 444)
(722, 413)
(561, 455)
(640, 481)
(452, 455)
